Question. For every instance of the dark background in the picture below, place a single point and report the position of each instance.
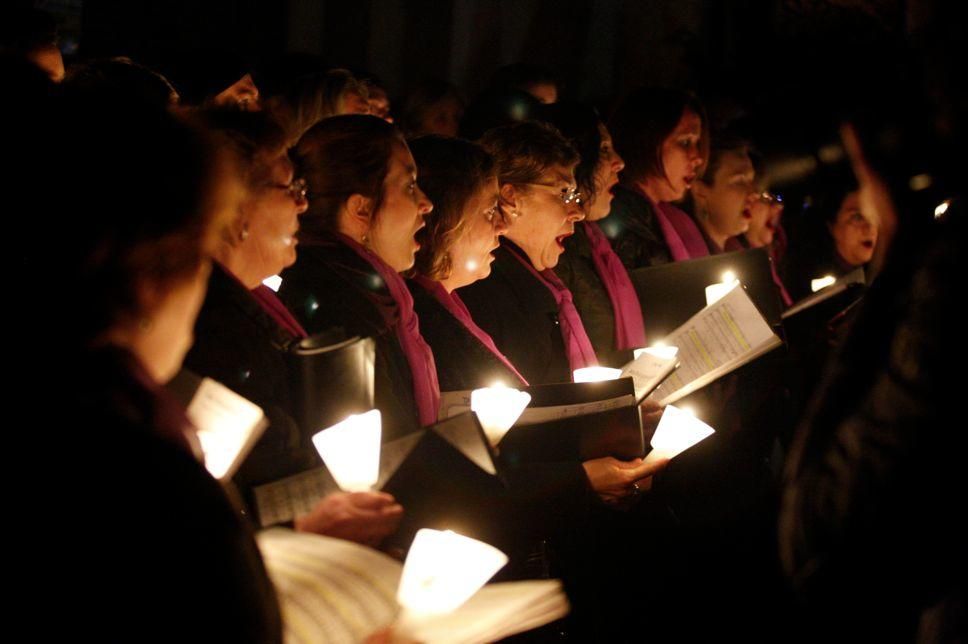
(790, 70)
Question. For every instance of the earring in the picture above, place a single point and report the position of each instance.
(244, 234)
(365, 240)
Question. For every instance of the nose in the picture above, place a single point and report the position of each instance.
(618, 163)
(575, 213)
(424, 205)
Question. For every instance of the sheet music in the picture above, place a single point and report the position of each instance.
(228, 426)
(284, 500)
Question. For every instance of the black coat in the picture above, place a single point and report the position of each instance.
(157, 551)
(463, 363)
(633, 229)
(331, 286)
(576, 269)
(238, 344)
(521, 314)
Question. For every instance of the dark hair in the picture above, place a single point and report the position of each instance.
(580, 125)
(422, 99)
(124, 75)
(495, 108)
(722, 143)
(133, 208)
(342, 156)
(522, 76)
(524, 151)
(450, 171)
(304, 101)
(253, 138)
(642, 123)
(26, 29)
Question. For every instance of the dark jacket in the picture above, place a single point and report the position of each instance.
(463, 363)
(871, 528)
(238, 344)
(332, 286)
(521, 314)
(634, 231)
(158, 552)
(576, 268)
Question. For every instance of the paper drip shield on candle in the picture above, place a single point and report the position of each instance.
(351, 450)
(498, 408)
(595, 374)
(443, 570)
(677, 431)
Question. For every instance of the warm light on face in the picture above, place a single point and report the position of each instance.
(678, 430)
(822, 282)
(596, 374)
(498, 408)
(351, 451)
(443, 570)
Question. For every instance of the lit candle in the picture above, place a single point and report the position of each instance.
(351, 451)
(498, 408)
(659, 350)
(443, 570)
(822, 282)
(273, 282)
(715, 292)
(678, 430)
(596, 374)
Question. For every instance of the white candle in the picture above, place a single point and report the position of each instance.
(822, 282)
(715, 292)
(595, 374)
(273, 282)
(443, 570)
(678, 430)
(351, 451)
(498, 408)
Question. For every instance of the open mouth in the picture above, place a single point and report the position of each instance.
(868, 244)
(747, 214)
(560, 240)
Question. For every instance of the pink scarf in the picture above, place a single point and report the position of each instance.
(681, 233)
(629, 327)
(577, 345)
(426, 390)
(275, 309)
(455, 306)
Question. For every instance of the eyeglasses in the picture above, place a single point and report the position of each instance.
(297, 189)
(770, 199)
(567, 195)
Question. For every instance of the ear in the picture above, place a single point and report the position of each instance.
(509, 196)
(356, 216)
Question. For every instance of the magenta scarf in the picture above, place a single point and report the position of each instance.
(629, 327)
(683, 237)
(426, 390)
(577, 345)
(275, 309)
(455, 306)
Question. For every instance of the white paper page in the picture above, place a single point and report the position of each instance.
(853, 277)
(647, 371)
(718, 339)
(227, 424)
(534, 415)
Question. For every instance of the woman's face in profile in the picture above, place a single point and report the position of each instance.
(854, 233)
(606, 176)
(401, 215)
(483, 224)
(681, 158)
(728, 199)
(272, 217)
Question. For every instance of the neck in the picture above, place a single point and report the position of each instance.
(234, 263)
(538, 266)
(450, 284)
(652, 188)
(714, 236)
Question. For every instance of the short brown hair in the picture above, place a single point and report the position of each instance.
(342, 156)
(524, 151)
(450, 172)
(643, 122)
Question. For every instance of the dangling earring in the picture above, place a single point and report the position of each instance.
(244, 234)
(365, 240)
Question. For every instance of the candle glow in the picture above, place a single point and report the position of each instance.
(498, 408)
(351, 450)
